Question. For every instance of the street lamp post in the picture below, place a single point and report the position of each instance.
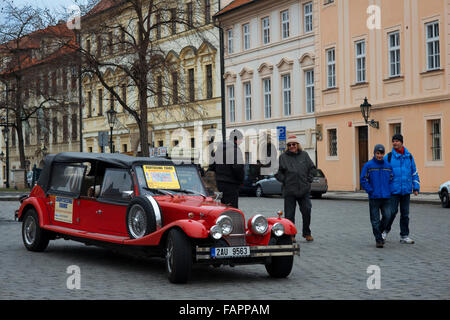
(365, 111)
(112, 116)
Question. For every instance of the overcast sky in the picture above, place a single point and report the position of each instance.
(52, 4)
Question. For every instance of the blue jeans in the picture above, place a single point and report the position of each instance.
(403, 200)
(378, 226)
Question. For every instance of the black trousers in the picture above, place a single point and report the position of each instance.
(230, 193)
(290, 203)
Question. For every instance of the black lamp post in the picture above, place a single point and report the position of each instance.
(365, 110)
(112, 116)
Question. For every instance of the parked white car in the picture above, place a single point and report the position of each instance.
(444, 191)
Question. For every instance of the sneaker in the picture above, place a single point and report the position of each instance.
(308, 238)
(379, 244)
(406, 240)
(384, 235)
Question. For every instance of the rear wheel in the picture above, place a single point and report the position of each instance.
(280, 267)
(178, 256)
(259, 192)
(34, 237)
(445, 201)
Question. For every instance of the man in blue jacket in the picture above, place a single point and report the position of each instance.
(406, 181)
(376, 178)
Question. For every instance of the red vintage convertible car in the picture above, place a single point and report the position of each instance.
(151, 205)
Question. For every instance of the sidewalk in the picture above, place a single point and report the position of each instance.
(425, 198)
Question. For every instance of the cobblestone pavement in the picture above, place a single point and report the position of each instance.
(334, 266)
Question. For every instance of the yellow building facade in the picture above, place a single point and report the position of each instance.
(395, 53)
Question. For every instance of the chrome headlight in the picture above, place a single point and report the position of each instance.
(278, 229)
(226, 224)
(258, 224)
(216, 232)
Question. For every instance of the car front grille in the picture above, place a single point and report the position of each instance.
(237, 237)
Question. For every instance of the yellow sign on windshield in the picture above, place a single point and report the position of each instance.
(161, 177)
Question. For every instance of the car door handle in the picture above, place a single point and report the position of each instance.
(50, 203)
(98, 211)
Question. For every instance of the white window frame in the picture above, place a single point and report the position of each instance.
(286, 93)
(432, 46)
(360, 61)
(309, 90)
(331, 68)
(284, 24)
(394, 54)
(230, 41)
(436, 140)
(267, 97)
(265, 26)
(246, 36)
(307, 17)
(248, 100)
(231, 103)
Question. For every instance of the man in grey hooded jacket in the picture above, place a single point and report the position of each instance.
(296, 173)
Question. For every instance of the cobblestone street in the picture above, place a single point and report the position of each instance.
(334, 266)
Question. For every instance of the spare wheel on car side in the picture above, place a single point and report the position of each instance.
(143, 217)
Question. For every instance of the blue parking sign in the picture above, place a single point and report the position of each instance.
(281, 133)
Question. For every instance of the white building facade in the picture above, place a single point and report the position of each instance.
(270, 71)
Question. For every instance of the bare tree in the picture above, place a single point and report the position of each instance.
(127, 37)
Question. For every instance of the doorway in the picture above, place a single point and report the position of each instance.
(363, 146)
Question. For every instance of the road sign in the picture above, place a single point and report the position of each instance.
(281, 133)
(103, 138)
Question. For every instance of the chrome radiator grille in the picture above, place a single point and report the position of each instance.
(237, 237)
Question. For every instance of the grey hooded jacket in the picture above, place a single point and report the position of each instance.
(295, 172)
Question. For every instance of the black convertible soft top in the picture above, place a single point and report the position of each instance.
(115, 160)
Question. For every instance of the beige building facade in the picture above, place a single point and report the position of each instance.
(395, 53)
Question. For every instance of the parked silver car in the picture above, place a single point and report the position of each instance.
(271, 186)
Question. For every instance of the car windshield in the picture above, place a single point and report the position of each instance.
(163, 179)
(318, 173)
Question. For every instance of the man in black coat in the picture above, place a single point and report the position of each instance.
(229, 168)
(296, 172)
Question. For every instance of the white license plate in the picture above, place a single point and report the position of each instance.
(230, 252)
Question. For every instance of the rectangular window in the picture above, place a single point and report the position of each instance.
(158, 26)
(100, 102)
(209, 82)
(55, 129)
(248, 100)
(67, 179)
(207, 11)
(394, 54)
(74, 127)
(285, 24)
(99, 46)
(308, 17)
(265, 30)
(436, 142)
(65, 128)
(111, 101)
(332, 142)
(246, 33)
(159, 95)
(267, 92)
(124, 94)
(286, 82)
(331, 68)
(309, 91)
(191, 80)
(89, 103)
(360, 54)
(174, 87)
(190, 15)
(432, 42)
(110, 43)
(173, 21)
(230, 41)
(231, 104)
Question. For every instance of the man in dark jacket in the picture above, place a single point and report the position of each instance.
(229, 168)
(376, 178)
(296, 173)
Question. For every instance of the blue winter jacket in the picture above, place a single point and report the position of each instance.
(406, 178)
(376, 178)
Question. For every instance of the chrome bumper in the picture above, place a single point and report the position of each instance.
(203, 254)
